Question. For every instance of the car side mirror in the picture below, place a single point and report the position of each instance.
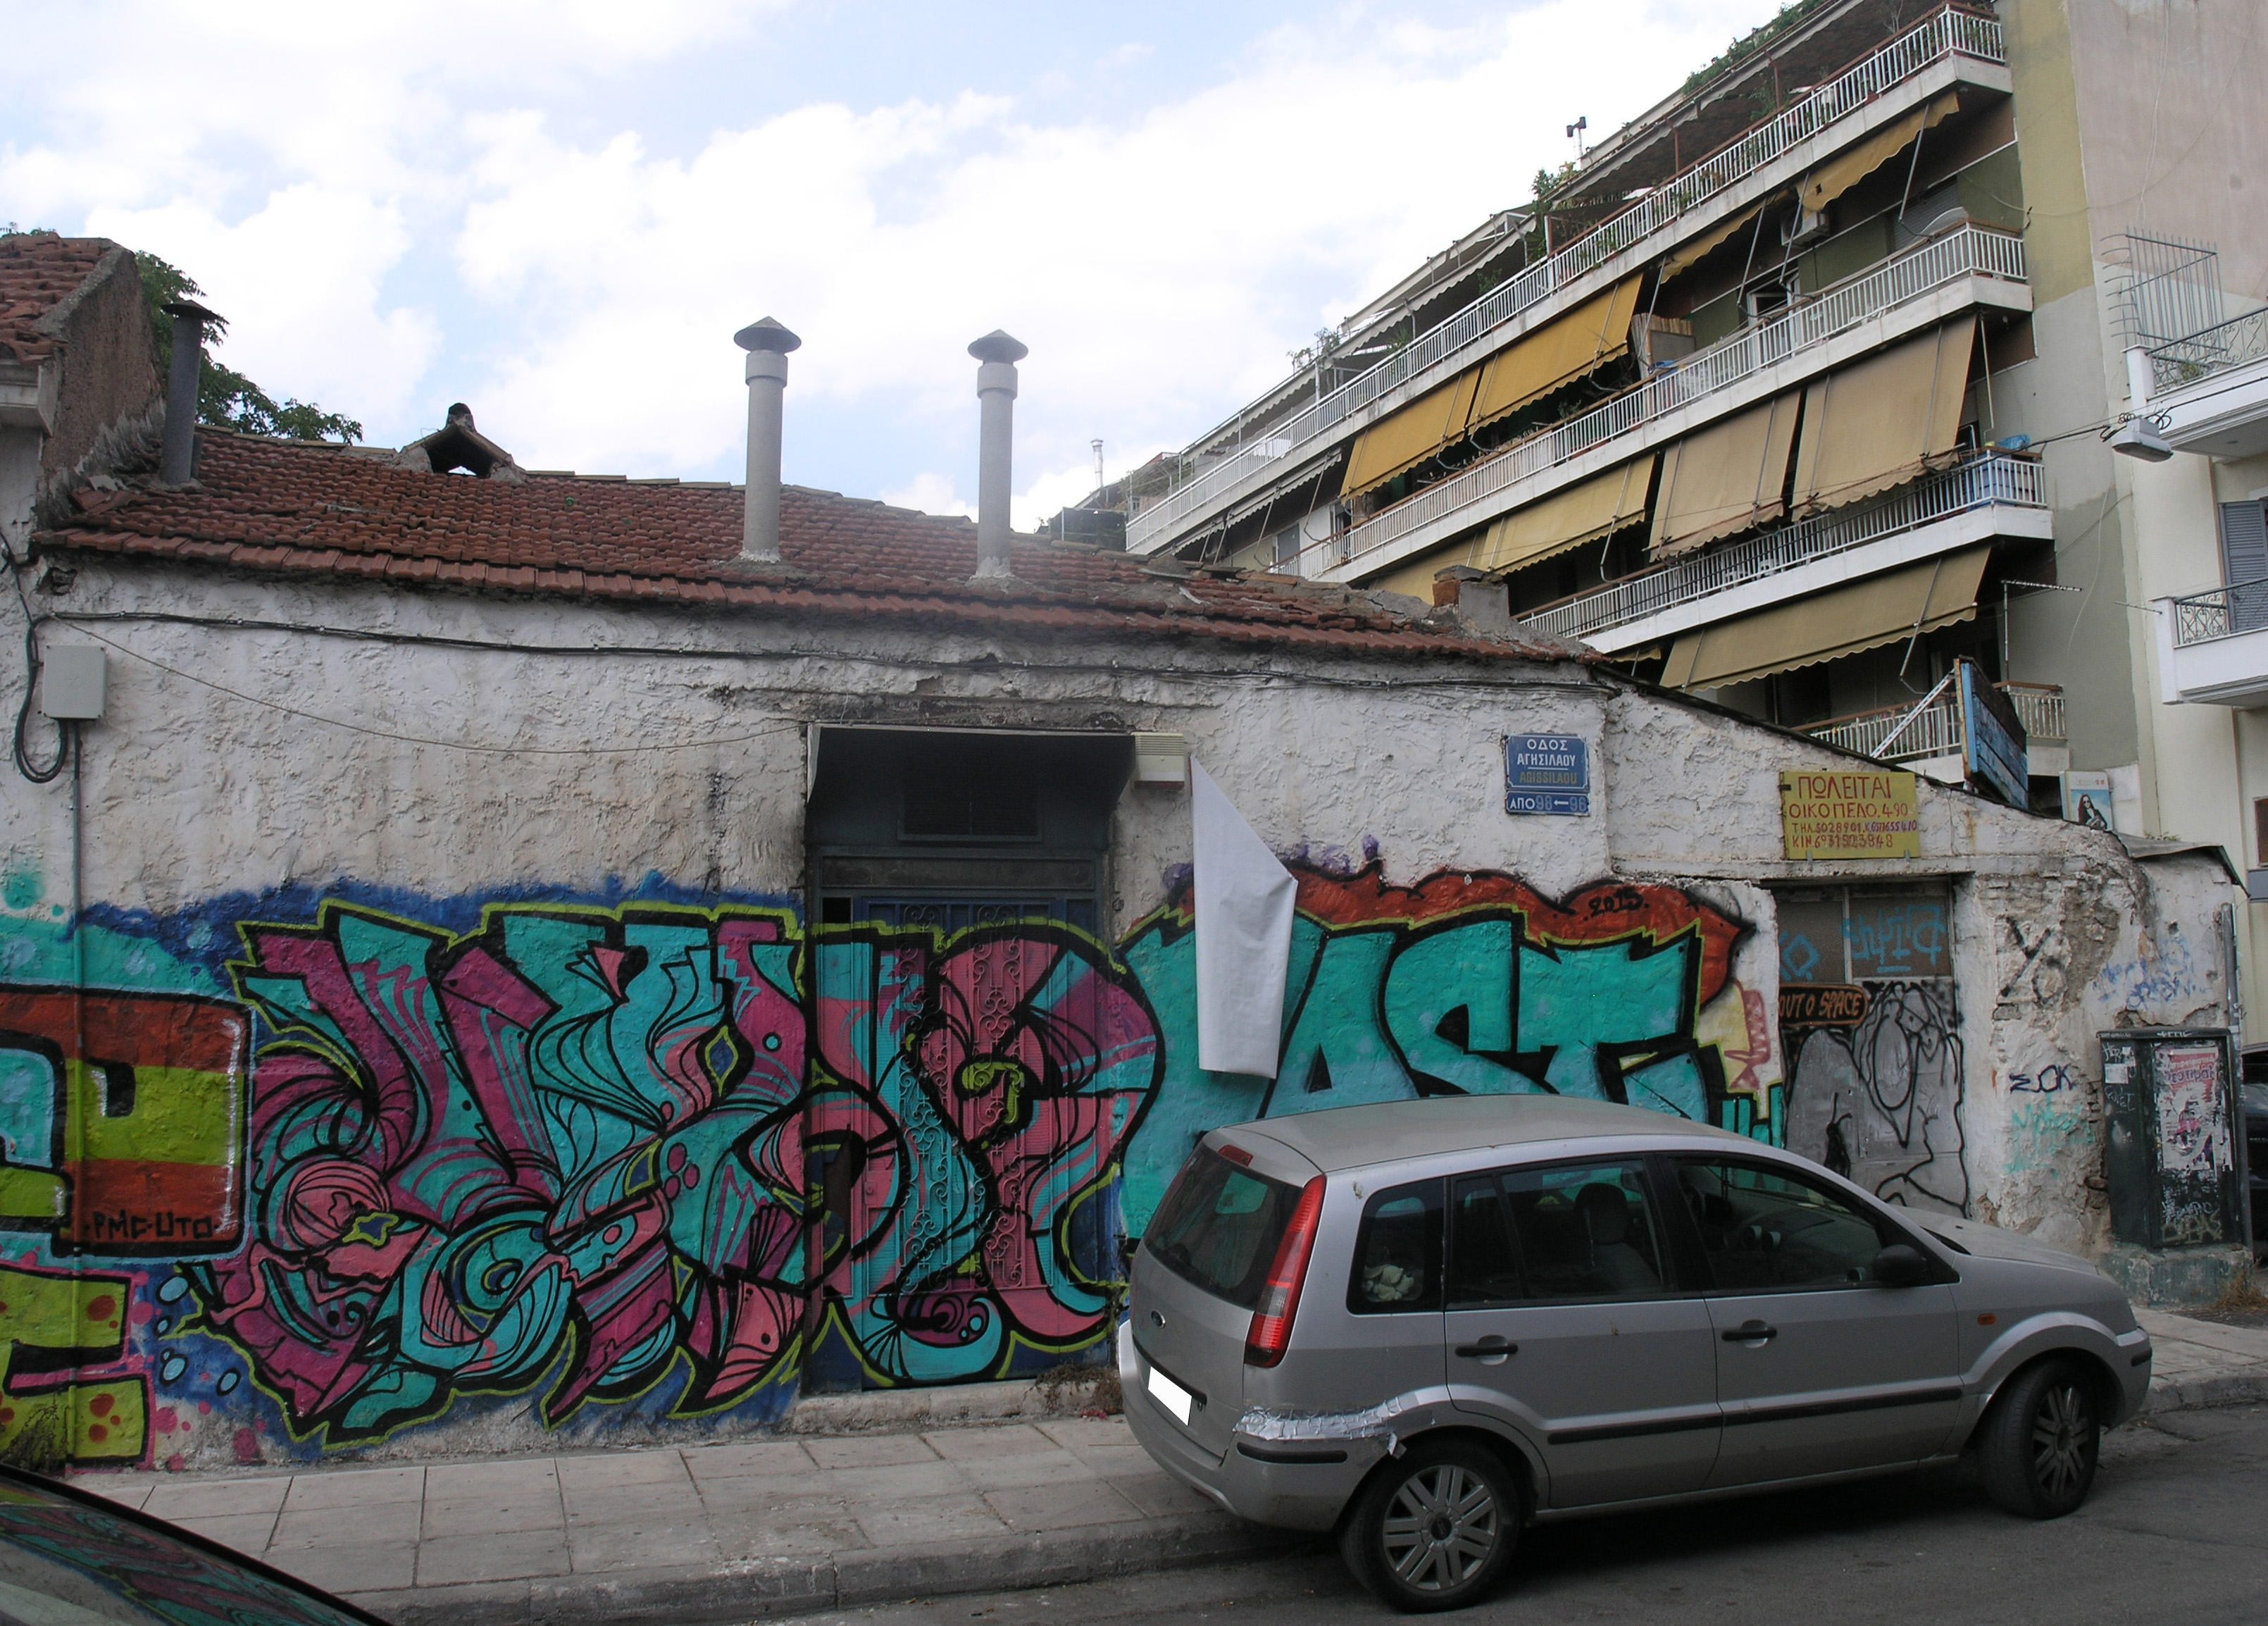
(1901, 1265)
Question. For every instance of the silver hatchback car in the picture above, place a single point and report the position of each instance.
(1424, 1323)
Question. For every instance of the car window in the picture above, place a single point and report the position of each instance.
(1484, 1262)
(1584, 1230)
(1218, 1227)
(1765, 1229)
(1398, 1252)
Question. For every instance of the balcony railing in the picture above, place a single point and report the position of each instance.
(1966, 251)
(1933, 728)
(2224, 612)
(1951, 33)
(1994, 477)
(2216, 349)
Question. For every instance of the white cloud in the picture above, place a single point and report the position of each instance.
(1160, 269)
(442, 205)
(932, 493)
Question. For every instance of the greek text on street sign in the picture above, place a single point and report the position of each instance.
(1546, 773)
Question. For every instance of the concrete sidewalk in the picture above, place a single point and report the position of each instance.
(713, 1533)
(788, 1525)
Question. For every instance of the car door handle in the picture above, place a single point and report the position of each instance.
(1489, 1352)
(1750, 1332)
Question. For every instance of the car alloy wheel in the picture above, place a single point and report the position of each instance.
(1441, 1527)
(2063, 1440)
(2038, 1449)
(1435, 1529)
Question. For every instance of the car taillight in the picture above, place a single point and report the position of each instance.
(1279, 1300)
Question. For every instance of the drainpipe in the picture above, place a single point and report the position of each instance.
(768, 345)
(995, 390)
(179, 464)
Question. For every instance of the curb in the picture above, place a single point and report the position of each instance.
(2240, 1388)
(778, 1587)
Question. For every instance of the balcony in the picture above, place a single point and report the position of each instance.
(1968, 266)
(1995, 495)
(2209, 390)
(1928, 738)
(2213, 647)
(1710, 190)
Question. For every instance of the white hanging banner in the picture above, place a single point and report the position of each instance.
(1244, 899)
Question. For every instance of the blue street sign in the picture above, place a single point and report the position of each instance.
(1547, 773)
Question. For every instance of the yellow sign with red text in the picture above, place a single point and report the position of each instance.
(1840, 815)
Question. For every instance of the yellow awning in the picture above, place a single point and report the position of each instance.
(1557, 353)
(1700, 248)
(1919, 598)
(1822, 186)
(1727, 478)
(1410, 435)
(1881, 423)
(1600, 506)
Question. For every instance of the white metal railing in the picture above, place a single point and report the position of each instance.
(1966, 251)
(1933, 727)
(1951, 33)
(2200, 617)
(2216, 349)
(1994, 477)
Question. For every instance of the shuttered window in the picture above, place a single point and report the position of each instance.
(2244, 562)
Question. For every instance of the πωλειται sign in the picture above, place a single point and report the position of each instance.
(1850, 815)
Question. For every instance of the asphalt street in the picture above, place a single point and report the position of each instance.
(2176, 1532)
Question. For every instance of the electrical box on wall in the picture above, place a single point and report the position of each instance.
(1162, 759)
(71, 682)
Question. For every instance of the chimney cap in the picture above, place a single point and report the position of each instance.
(765, 334)
(190, 310)
(998, 345)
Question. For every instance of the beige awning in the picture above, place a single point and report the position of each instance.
(1724, 479)
(1919, 598)
(1557, 353)
(1600, 506)
(1700, 248)
(1824, 185)
(1410, 435)
(1884, 421)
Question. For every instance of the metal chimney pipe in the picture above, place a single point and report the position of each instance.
(179, 464)
(995, 390)
(768, 345)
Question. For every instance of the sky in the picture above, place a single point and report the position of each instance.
(560, 213)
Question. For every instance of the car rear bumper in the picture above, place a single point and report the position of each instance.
(1300, 1484)
(2132, 1368)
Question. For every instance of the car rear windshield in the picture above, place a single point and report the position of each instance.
(1218, 1227)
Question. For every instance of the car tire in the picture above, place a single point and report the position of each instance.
(1435, 1528)
(2039, 1446)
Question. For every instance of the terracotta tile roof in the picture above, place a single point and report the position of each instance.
(296, 506)
(39, 270)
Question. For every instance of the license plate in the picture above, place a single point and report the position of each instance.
(1170, 1396)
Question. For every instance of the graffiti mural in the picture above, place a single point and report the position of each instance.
(658, 1158)
(69, 1390)
(1876, 1096)
(120, 1115)
(1472, 984)
(970, 1100)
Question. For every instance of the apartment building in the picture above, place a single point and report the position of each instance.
(1809, 386)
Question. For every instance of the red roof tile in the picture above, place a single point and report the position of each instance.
(297, 508)
(39, 270)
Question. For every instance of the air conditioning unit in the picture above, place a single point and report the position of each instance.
(1803, 225)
